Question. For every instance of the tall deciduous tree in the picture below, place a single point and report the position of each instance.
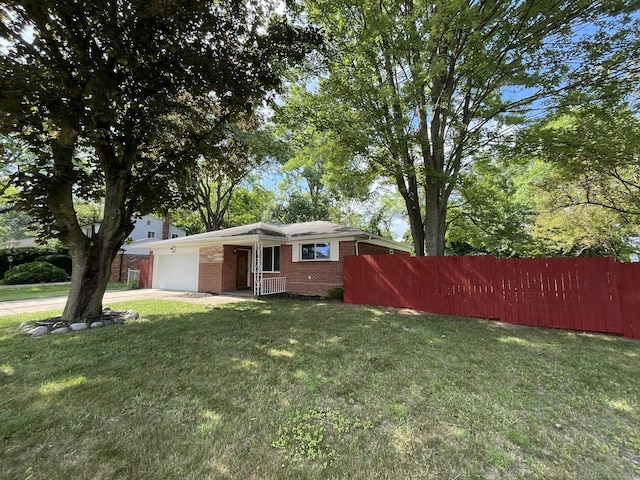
(417, 86)
(225, 161)
(596, 149)
(97, 90)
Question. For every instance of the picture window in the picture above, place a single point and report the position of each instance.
(316, 251)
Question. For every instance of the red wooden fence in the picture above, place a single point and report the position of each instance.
(145, 281)
(591, 294)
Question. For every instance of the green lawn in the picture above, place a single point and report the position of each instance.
(21, 292)
(302, 389)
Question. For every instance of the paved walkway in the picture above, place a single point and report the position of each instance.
(58, 303)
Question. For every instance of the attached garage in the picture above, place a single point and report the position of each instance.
(177, 271)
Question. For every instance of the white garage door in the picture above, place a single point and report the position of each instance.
(177, 272)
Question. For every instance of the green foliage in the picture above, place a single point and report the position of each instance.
(335, 293)
(249, 204)
(99, 97)
(35, 272)
(413, 89)
(26, 255)
(60, 261)
(301, 207)
(312, 436)
(595, 148)
(493, 209)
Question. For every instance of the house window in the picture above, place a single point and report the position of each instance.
(174, 235)
(151, 234)
(271, 259)
(148, 222)
(316, 251)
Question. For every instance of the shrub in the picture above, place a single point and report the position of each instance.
(22, 255)
(60, 261)
(36, 272)
(335, 293)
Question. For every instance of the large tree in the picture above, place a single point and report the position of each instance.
(417, 86)
(226, 160)
(97, 90)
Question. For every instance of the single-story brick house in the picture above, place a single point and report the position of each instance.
(301, 258)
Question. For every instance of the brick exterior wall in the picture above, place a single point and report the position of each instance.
(128, 261)
(312, 278)
(210, 272)
(218, 269)
(370, 249)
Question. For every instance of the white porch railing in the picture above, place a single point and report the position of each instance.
(273, 285)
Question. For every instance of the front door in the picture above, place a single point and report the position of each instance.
(242, 269)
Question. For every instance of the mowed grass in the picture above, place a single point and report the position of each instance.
(284, 389)
(28, 292)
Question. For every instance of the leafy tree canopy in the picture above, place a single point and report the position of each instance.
(98, 92)
(416, 88)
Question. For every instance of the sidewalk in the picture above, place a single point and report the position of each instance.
(57, 303)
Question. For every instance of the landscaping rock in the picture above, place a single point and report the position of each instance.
(39, 331)
(130, 315)
(57, 325)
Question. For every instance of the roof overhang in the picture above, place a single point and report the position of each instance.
(203, 241)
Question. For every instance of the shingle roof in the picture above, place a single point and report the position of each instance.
(285, 231)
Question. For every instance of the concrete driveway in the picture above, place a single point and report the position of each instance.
(57, 303)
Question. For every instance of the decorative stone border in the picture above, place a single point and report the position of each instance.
(56, 325)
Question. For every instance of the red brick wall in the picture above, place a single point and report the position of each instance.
(210, 271)
(370, 249)
(128, 261)
(312, 278)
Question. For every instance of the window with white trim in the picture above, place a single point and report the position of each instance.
(151, 234)
(315, 251)
(174, 235)
(271, 259)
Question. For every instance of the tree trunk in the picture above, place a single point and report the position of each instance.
(435, 226)
(408, 187)
(89, 277)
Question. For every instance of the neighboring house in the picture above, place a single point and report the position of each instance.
(302, 258)
(147, 229)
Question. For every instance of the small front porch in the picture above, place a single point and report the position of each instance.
(247, 268)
